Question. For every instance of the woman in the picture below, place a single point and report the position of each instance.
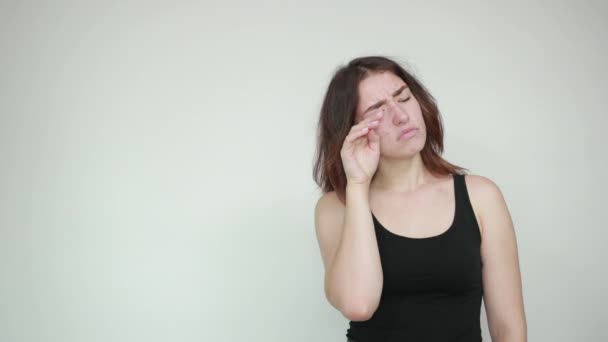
(391, 265)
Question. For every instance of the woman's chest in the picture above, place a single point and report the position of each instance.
(448, 263)
(425, 215)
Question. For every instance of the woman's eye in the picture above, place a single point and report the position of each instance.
(404, 100)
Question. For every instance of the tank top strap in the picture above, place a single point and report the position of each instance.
(460, 188)
(466, 215)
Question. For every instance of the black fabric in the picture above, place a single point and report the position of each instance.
(432, 287)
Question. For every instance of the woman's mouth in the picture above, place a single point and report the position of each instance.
(408, 133)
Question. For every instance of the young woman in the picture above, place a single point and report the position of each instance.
(410, 243)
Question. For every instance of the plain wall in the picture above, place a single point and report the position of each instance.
(156, 157)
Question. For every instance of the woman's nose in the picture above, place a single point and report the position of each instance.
(398, 114)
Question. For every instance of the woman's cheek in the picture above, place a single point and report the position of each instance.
(382, 131)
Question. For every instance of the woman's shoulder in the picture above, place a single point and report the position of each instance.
(484, 194)
(481, 187)
(329, 201)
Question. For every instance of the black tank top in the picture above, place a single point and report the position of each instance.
(432, 287)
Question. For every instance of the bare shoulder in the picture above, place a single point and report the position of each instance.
(329, 215)
(482, 185)
(328, 198)
(484, 195)
(329, 205)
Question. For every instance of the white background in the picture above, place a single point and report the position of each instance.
(156, 157)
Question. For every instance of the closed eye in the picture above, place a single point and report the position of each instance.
(405, 100)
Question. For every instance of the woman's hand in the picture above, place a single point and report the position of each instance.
(361, 150)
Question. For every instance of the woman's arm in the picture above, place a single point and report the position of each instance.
(353, 272)
(502, 286)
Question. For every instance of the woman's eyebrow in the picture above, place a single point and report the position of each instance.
(381, 102)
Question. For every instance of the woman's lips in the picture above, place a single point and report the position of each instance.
(408, 133)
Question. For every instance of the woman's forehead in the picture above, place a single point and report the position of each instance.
(377, 86)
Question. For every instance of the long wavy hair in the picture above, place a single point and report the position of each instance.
(338, 112)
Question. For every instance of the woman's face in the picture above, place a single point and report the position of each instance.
(388, 93)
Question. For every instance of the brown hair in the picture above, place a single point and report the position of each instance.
(338, 112)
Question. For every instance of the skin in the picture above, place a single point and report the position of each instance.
(411, 201)
(399, 112)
